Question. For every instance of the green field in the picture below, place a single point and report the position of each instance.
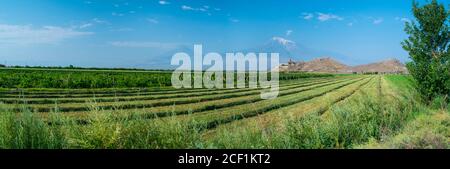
(138, 109)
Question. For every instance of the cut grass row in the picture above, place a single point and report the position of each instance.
(46, 91)
(372, 114)
(113, 94)
(373, 89)
(213, 118)
(176, 101)
(359, 112)
(206, 107)
(210, 118)
(263, 131)
(146, 97)
(156, 90)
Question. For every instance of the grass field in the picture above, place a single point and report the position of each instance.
(311, 111)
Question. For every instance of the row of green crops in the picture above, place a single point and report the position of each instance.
(29, 78)
(75, 79)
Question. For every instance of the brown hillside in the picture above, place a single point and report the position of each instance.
(387, 66)
(323, 65)
(329, 65)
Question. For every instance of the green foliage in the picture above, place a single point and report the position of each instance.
(428, 47)
(89, 79)
(33, 78)
(294, 76)
(440, 102)
(27, 131)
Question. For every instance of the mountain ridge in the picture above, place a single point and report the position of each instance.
(330, 65)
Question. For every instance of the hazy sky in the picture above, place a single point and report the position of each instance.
(122, 33)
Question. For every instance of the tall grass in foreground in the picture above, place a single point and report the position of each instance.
(356, 122)
(426, 131)
(26, 130)
(364, 121)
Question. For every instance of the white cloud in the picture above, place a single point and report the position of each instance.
(189, 8)
(217, 9)
(308, 16)
(164, 2)
(350, 24)
(26, 34)
(99, 21)
(378, 21)
(283, 41)
(90, 23)
(289, 32)
(153, 21)
(402, 19)
(87, 25)
(325, 17)
(135, 44)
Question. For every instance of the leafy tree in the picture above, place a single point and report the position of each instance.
(428, 47)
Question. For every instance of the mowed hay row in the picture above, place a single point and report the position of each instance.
(107, 92)
(144, 97)
(372, 89)
(213, 118)
(45, 91)
(156, 102)
(363, 116)
(274, 121)
(46, 99)
(164, 111)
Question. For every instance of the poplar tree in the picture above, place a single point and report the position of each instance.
(428, 48)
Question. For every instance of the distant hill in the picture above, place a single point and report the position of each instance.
(325, 64)
(386, 66)
(329, 65)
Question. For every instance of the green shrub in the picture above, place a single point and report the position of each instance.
(440, 102)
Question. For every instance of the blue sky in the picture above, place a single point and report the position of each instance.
(125, 33)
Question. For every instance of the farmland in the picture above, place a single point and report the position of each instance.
(138, 109)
